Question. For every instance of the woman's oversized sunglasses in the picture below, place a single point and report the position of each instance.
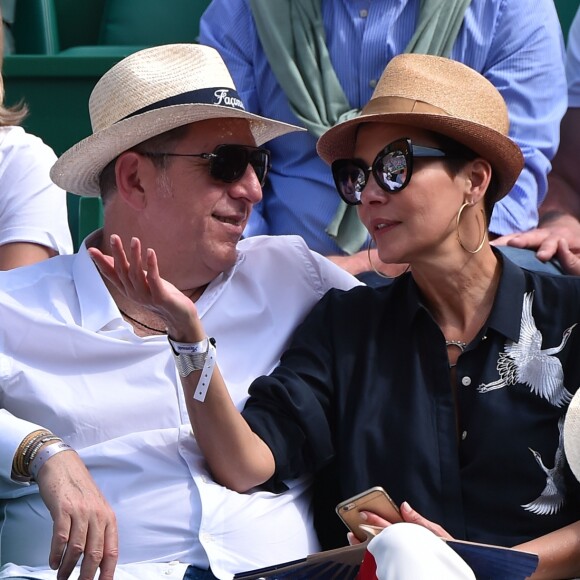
(228, 163)
(392, 169)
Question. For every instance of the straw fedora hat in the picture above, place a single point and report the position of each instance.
(440, 95)
(572, 435)
(150, 92)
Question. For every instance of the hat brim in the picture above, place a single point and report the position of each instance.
(504, 154)
(572, 435)
(78, 169)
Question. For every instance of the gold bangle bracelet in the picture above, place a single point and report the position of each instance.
(18, 465)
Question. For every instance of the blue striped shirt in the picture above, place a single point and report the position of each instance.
(516, 44)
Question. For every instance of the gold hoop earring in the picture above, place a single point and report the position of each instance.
(457, 222)
(379, 273)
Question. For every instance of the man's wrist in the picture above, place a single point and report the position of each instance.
(45, 454)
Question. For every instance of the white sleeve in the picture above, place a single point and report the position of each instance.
(32, 208)
(12, 432)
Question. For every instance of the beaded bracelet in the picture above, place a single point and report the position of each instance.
(48, 452)
(23, 449)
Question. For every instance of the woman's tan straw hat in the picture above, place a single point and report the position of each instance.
(440, 95)
(150, 92)
(572, 435)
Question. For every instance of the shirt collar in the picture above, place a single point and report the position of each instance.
(97, 307)
(506, 312)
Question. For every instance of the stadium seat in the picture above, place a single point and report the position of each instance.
(566, 12)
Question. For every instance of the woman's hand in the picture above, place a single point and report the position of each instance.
(411, 516)
(408, 514)
(143, 284)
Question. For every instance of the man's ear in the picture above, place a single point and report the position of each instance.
(477, 178)
(133, 173)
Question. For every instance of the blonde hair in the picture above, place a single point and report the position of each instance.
(8, 115)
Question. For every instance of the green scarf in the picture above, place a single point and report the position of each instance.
(293, 38)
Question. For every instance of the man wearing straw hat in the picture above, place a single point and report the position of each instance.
(98, 466)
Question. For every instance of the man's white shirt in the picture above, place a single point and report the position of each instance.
(70, 363)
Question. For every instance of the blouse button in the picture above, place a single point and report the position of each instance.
(466, 381)
(464, 436)
(363, 13)
(373, 83)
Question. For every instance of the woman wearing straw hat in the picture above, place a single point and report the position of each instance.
(447, 387)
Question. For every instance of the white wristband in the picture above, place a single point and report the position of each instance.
(44, 455)
(206, 373)
(190, 356)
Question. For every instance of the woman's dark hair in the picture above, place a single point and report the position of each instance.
(461, 154)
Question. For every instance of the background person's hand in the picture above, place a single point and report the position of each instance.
(84, 525)
(569, 259)
(544, 240)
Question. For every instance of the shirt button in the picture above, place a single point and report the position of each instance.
(466, 381)
(464, 436)
(373, 83)
(205, 537)
(363, 13)
(169, 571)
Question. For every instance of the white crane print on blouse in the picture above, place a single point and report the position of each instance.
(525, 362)
(552, 497)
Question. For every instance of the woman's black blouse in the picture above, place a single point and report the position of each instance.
(363, 397)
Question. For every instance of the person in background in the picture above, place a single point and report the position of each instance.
(448, 387)
(100, 474)
(559, 226)
(33, 211)
(518, 46)
(8, 10)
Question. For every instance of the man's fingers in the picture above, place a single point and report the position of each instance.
(74, 549)
(569, 260)
(60, 536)
(97, 554)
(531, 239)
(110, 553)
(548, 249)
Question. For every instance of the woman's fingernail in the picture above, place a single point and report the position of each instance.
(405, 507)
(363, 516)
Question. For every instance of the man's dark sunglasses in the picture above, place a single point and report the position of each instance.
(392, 169)
(228, 163)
